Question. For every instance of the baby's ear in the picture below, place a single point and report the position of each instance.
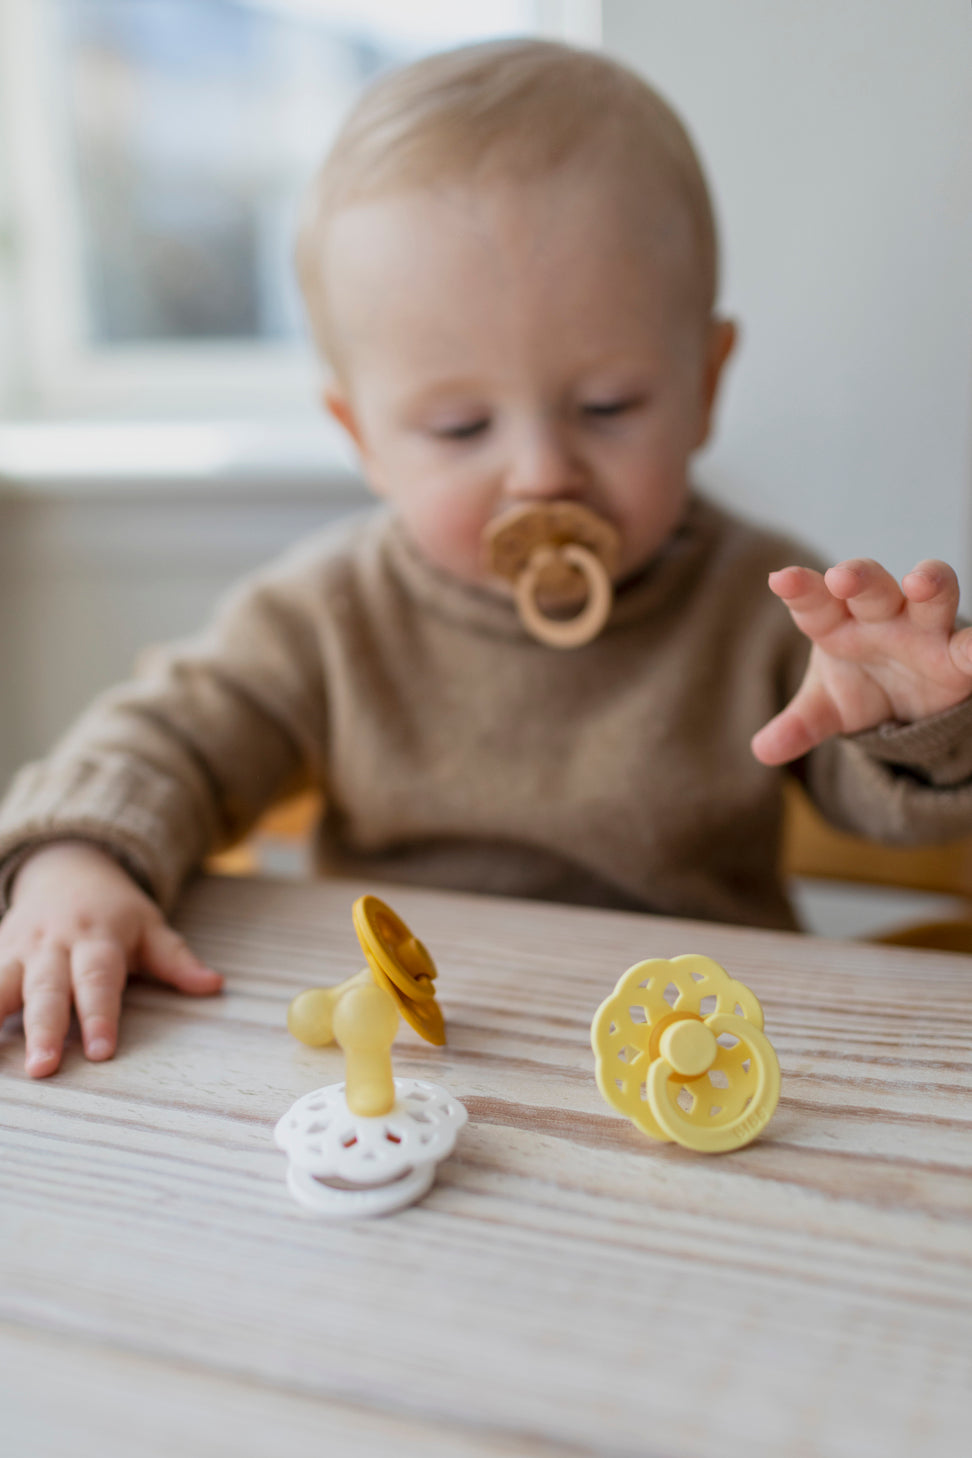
(722, 341)
(337, 405)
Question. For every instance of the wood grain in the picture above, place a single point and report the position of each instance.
(568, 1286)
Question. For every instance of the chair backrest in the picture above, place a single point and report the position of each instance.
(813, 848)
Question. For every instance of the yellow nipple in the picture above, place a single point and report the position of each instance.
(365, 1023)
(310, 1017)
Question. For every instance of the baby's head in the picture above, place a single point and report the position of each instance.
(510, 265)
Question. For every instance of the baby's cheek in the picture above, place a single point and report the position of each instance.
(452, 535)
(652, 511)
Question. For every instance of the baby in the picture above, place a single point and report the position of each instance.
(509, 261)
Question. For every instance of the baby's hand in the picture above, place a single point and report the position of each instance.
(880, 652)
(77, 925)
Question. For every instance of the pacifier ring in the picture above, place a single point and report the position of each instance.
(585, 625)
(556, 555)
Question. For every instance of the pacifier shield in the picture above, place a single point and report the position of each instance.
(560, 557)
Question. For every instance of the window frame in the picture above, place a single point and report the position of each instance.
(47, 369)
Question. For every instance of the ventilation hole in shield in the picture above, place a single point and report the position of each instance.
(718, 1078)
(671, 994)
(392, 1138)
(349, 1140)
(638, 1014)
(644, 1093)
(715, 1109)
(697, 976)
(685, 1100)
(747, 1064)
(708, 1005)
(727, 1040)
(628, 1054)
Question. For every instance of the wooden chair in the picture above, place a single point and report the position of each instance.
(291, 821)
(814, 849)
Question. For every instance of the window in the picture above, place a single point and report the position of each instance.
(152, 156)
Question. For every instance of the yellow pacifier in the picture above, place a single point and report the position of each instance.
(370, 1145)
(397, 962)
(561, 559)
(681, 1052)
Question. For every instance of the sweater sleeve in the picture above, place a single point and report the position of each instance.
(182, 760)
(903, 784)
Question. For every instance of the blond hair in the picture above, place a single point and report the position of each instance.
(516, 108)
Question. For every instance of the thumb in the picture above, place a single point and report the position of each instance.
(809, 718)
(167, 956)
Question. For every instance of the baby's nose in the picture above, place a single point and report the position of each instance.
(543, 466)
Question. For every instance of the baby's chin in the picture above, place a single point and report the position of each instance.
(639, 550)
(634, 563)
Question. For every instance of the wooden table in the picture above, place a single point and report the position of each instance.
(567, 1287)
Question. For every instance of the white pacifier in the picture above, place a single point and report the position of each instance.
(345, 1166)
(370, 1145)
(561, 559)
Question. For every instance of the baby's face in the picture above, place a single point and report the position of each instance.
(518, 343)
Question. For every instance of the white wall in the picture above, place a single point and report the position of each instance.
(9, 377)
(838, 138)
(88, 579)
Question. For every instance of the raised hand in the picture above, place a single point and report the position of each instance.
(76, 927)
(879, 652)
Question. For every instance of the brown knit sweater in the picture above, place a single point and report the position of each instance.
(455, 751)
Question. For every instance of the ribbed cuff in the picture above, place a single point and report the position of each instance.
(145, 821)
(11, 864)
(937, 749)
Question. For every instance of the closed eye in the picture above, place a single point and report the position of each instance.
(605, 409)
(462, 430)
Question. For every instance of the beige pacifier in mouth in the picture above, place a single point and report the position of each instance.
(561, 558)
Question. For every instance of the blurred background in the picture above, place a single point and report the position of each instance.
(159, 431)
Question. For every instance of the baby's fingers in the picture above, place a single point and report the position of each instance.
(167, 956)
(98, 972)
(932, 590)
(960, 650)
(870, 592)
(808, 719)
(47, 1008)
(815, 610)
(11, 982)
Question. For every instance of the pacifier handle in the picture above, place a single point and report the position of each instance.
(585, 625)
(365, 1024)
